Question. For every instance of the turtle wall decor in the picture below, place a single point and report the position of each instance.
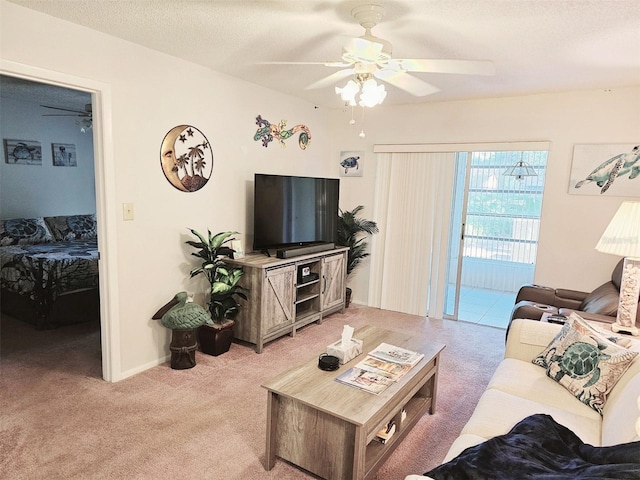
(351, 163)
(22, 152)
(606, 169)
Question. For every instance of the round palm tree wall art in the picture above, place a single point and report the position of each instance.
(186, 158)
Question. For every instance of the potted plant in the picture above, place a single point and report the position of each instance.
(224, 291)
(352, 233)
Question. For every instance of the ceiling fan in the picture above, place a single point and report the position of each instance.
(369, 56)
(86, 115)
(72, 112)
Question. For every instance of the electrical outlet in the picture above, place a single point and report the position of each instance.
(127, 211)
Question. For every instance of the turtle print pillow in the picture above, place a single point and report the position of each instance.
(24, 231)
(585, 362)
(73, 227)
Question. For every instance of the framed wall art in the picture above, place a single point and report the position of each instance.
(22, 152)
(606, 169)
(351, 163)
(64, 155)
(186, 158)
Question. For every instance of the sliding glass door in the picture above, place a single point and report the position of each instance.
(493, 233)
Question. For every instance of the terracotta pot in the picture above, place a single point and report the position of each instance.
(183, 349)
(216, 339)
(347, 297)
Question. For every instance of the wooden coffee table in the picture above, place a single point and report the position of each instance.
(328, 428)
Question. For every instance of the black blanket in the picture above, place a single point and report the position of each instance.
(539, 448)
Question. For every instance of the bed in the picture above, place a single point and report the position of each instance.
(49, 269)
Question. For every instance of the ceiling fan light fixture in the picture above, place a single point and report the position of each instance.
(372, 93)
(348, 92)
(85, 124)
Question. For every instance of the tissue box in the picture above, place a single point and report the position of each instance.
(347, 353)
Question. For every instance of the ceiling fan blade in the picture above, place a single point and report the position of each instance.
(331, 79)
(64, 109)
(363, 49)
(326, 64)
(464, 67)
(65, 115)
(406, 82)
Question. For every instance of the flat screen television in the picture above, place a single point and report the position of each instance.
(294, 211)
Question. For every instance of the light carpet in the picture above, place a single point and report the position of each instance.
(60, 420)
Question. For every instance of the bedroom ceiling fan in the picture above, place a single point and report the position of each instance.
(368, 57)
(86, 115)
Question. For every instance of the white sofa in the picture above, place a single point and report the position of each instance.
(519, 388)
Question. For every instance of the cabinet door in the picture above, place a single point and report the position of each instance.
(333, 270)
(278, 298)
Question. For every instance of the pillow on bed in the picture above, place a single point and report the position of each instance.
(24, 231)
(585, 362)
(73, 227)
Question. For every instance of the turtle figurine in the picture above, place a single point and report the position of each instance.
(580, 360)
(605, 173)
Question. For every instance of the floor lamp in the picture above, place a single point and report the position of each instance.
(622, 238)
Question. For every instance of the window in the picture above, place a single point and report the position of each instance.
(503, 213)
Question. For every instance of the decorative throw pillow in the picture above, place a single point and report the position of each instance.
(24, 231)
(73, 227)
(585, 362)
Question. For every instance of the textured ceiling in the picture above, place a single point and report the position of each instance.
(536, 45)
(43, 94)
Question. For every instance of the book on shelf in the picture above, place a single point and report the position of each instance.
(368, 381)
(385, 433)
(391, 353)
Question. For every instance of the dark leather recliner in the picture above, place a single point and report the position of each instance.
(600, 305)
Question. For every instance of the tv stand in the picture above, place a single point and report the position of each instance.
(287, 294)
(296, 251)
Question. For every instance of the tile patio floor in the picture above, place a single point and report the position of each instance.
(485, 307)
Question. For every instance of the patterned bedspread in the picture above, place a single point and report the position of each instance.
(46, 270)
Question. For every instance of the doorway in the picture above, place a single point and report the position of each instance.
(494, 231)
(105, 200)
(58, 184)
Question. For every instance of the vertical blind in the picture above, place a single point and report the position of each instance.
(412, 207)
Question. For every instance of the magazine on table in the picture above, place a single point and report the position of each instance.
(391, 353)
(392, 370)
(365, 380)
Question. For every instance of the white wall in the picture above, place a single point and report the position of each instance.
(44, 190)
(150, 94)
(571, 224)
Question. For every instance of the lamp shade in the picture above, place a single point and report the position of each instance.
(622, 236)
(520, 170)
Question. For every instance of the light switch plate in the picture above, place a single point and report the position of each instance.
(127, 211)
